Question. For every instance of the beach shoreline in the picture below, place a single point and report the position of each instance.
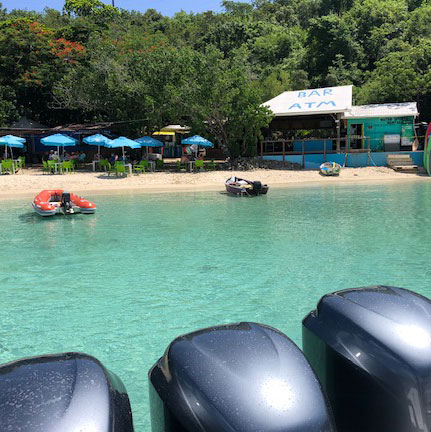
(32, 181)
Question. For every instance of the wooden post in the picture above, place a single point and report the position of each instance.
(324, 150)
(338, 132)
(368, 151)
(261, 149)
(33, 149)
(284, 151)
(303, 154)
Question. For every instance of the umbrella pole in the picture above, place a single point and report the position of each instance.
(98, 151)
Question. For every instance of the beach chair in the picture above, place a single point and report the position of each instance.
(105, 165)
(181, 166)
(21, 160)
(199, 165)
(210, 165)
(8, 166)
(51, 166)
(45, 167)
(120, 168)
(68, 166)
(159, 164)
(140, 167)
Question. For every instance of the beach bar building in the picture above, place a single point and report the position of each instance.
(388, 127)
(340, 132)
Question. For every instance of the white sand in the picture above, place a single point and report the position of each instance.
(32, 181)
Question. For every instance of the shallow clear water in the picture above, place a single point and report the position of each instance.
(121, 284)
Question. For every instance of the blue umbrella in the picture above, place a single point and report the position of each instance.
(122, 142)
(147, 141)
(98, 139)
(198, 141)
(11, 141)
(59, 140)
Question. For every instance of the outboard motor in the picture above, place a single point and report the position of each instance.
(257, 187)
(62, 393)
(239, 378)
(371, 349)
(66, 203)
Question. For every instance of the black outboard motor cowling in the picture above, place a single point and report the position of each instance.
(66, 202)
(371, 349)
(62, 393)
(236, 378)
(257, 186)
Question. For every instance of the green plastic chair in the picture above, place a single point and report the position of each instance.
(51, 166)
(210, 165)
(120, 168)
(105, 165)
(45, 167)
(159, 164)
(199, 164)
(68, 166)
(140, 167)
(21, 160)
(8, 166)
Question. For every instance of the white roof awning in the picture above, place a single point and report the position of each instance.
(405, 109)
(314, 101)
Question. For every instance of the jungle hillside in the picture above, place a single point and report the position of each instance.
(92, 62)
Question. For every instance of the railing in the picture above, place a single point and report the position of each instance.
(288, 147)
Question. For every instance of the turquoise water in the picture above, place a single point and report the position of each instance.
(121, 284)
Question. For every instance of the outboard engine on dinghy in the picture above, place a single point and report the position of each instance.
(66, 203)
(257, 186)
(62, 393)
(240, 377)
(371, 349)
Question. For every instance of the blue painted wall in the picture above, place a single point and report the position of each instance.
(314, 145)
(375, 128)
(354, 160)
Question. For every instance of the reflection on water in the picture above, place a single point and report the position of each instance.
(122, 283)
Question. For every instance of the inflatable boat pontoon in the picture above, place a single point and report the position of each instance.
(51, 202)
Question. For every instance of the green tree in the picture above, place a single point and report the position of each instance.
(93, 8)
(8, 106)
(225, 102)
(400, 77)
(329, 37)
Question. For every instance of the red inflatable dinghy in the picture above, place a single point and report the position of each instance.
(51, 202)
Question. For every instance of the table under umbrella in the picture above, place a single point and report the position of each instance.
(122, 142)
(11, 141)
(147, 141)
(59, 140)
(97, 139)
(197, 141)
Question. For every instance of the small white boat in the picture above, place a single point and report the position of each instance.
(330, 169)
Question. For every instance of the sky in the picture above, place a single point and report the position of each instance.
(166, 7)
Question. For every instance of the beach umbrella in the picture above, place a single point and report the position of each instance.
(197, 141)
(98, 139)
(147, 141)
(59, 140)
(122, 142)
(11, 141)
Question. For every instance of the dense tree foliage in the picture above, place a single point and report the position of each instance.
(92, 61)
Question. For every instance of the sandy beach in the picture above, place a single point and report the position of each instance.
(31, 181)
